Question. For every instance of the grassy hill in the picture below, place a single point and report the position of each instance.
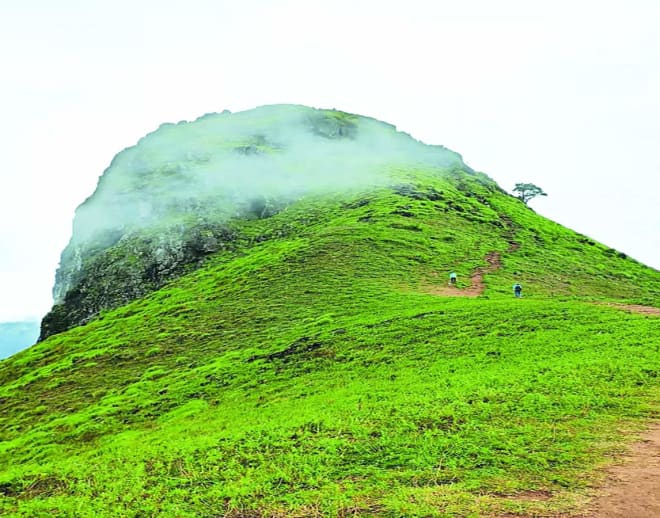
(312, 369)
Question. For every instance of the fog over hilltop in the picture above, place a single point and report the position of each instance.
(165, 202)
(227, 160)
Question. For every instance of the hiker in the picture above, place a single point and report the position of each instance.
(452, 278)
(517, 290)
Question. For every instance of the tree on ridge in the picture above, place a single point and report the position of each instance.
(527, 191)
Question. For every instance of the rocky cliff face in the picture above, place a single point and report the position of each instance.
(166, 203)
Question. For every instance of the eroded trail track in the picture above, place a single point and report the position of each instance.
(476, 287)
(632, 487)
(637, 308)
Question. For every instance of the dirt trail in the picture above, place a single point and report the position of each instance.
(637, 308)
(476, 286)
(632, 487)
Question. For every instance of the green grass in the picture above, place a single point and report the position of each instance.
(305, 373)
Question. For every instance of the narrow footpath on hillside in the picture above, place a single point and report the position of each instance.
(636, 308)
(630, 489)
(476, 287)
(632, 486)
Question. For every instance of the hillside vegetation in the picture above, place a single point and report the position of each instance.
(309, 369)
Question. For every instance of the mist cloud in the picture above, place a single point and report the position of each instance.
(219, 162)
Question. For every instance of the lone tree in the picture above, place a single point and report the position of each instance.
(527, 191)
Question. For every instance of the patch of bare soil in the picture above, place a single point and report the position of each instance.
(476, 286)
(632, 487)
(537, 495)
(637, 308)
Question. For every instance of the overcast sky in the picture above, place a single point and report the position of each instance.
(563, 94)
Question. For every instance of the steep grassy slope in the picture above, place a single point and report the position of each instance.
(309, 372)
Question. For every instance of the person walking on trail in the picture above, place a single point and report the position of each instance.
(452, 278)
(517, 290)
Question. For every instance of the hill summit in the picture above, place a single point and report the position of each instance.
(167, 202)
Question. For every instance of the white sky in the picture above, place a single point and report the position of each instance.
(564, 94)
